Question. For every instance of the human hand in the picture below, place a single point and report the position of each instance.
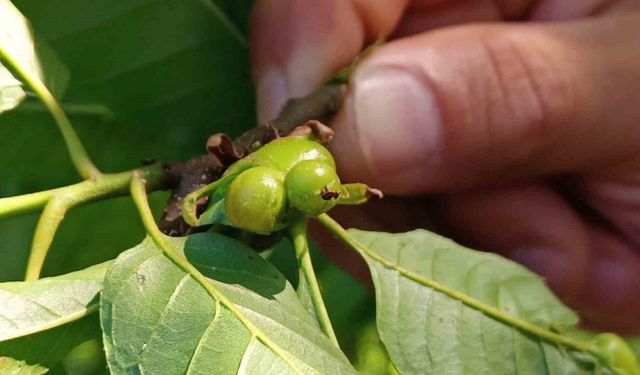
(526, 134)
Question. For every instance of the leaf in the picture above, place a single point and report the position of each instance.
(86, 359)
(238, 11)
(168, 62)
(434, 310)
(30, 307)
(15, 38)
(634, 342)
(10, 366)
(371, 356)
(157, 318)
(18, 41)
(283, 257)
(48, 349)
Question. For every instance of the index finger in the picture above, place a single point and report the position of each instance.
(298, 44)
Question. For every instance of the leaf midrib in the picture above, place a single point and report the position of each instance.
(159, 255)
(65, 319)
(477, 304)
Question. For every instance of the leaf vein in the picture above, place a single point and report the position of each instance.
(201, 341)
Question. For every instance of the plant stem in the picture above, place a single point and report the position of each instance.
(58, 201)
(338, 231)
(191, 201)
(105, 186)
(139, 195)
(299, 235)
(24, 204)
(46, 229)
(79, 156)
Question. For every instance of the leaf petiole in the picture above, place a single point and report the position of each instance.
(298, 233)
(190, 202)
(57, 202)
(79, 156)
(46, 229)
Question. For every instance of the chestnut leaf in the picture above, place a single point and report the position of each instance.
(157, 318)
(446, 309)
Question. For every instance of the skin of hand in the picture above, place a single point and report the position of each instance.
(511, 125)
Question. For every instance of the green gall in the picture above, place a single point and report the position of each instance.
(255, 200)
(268, 190)
(617, 354)
(313, 187)
(284, 153)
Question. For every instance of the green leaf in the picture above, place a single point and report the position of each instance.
(157, 318)
(11, 366)
(15, 39)
(238, 11)
(152, 62)
(42, 321)
(18, 42)
(446, 309)
(282, 256)
(49, 348)
(634, 342)
(30, 307)
(371, 357)
(86, 359)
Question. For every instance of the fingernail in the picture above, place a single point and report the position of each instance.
(271, 94)
(552, 264)
(397, 119)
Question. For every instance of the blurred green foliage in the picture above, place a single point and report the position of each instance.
(371, 357)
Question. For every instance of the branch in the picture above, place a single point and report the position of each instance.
(189, 176)
(57, 202)
(27, 203)
(105, 186)
(322, 104)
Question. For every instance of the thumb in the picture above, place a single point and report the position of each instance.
(468, 105)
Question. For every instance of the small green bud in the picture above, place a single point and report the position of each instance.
(255, 200)
(313, 187)
(617, 354)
